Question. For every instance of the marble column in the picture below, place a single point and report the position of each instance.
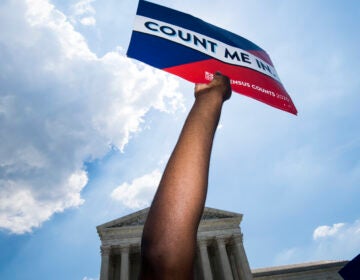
(204, 258)
(105, 262)
(224, 259)
(124, 275)
(243, 266)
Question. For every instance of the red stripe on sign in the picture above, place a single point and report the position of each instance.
(243, 80)
(263, 55)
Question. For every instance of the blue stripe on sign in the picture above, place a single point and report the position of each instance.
(161, 53)
(151, 10)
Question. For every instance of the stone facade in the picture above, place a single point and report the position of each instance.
(220, 255)
(220, 252)
(325, 270)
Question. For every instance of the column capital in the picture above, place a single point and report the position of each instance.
(125, 248)
(105, 250)
(237, 238)
(221, 240)
(203, 242)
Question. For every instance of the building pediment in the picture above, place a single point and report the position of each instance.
(139, 218)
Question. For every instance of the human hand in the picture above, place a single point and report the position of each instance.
(220, 85)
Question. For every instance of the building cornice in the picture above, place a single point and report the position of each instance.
(302, 267)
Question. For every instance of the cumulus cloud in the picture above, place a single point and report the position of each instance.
(84, 12)
(340, 241)
(139, 192)
(60, 106)
(326, 231)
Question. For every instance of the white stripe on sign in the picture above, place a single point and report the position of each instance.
(204, 44)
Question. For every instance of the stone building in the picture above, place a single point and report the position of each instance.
(324, 270)
(220, 251)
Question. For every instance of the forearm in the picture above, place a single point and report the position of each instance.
(186, 175)
(184, 183)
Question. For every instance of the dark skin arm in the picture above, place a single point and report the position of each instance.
(169, 237)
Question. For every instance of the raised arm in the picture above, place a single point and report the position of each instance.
(169, 237)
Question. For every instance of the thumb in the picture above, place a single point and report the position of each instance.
(200, 87)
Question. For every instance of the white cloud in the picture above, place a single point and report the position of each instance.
(61, 105)
(341, 241)
(84, 7)
(89, 278)
(22, 209)
(88, 21)
(139, 192)
(326, 231)
(84, 12)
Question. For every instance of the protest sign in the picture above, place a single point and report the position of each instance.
(193, 49)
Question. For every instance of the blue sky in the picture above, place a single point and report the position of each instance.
(85, 132)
